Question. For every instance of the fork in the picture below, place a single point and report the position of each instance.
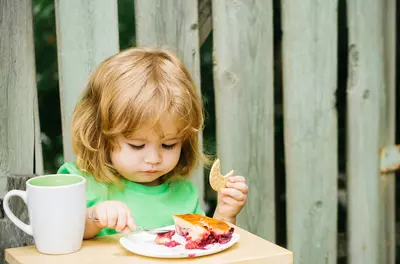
(154, 231)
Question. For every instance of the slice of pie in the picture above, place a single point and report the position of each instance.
(200, 231)
(166, 239)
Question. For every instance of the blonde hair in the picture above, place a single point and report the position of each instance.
(127, 90)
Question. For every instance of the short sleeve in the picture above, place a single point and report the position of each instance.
(69, 168)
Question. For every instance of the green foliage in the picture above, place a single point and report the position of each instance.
(47, 82)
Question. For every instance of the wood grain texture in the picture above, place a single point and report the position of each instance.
(365, 84)
(17, 205)
(173, 25)
(11, 235)
(87, 33)
(17, 86)
(205, 19)
(387, 134)
(310, 128)
(243, 78)
(107, 249)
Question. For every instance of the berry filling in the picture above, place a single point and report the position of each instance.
(207, 238)
(164, 238)
(172, 243)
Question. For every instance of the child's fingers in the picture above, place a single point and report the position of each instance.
(112, 216)
(234, 193)
(101, 214)
(130, 222)
(126, 230)
(229, 200)
(241, 186)
(237, 178)
(122, 219)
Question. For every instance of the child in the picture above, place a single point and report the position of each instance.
(135, 137)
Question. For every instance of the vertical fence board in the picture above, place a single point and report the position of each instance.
(365, 83)
(243, 77)
(205, 19)
(87, 33)
(387, 130)
(310, 128)
(17, 86)
(11, 235)
(39, 166)
(173, 24)
(17, 89)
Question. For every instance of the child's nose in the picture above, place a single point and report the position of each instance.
(153, 156)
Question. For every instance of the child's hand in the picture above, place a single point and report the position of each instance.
(114, 214)
(232, 198)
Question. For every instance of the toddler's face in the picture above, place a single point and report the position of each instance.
(145, 157)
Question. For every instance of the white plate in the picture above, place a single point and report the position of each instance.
(142, 243)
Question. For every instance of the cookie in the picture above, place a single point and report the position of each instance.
(217, 180)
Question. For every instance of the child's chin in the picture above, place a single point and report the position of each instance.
(146, 180)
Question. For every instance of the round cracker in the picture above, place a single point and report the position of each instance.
(217, 180)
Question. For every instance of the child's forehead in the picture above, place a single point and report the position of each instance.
(147, 133)
(163, 128)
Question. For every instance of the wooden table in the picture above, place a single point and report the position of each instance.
(250, 249)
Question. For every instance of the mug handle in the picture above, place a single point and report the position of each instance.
(24, 227)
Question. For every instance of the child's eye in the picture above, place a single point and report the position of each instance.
(168, 146)
(136, 146)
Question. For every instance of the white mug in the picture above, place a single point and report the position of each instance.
(57, 210)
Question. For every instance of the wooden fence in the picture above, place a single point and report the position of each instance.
(243, 57)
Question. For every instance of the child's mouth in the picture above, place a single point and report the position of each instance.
(151, 171)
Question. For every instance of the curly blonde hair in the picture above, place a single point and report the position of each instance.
(126, 91)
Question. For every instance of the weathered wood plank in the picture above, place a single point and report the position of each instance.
(87, 33)
(11, 235)
(310, 128)
(243, 77)
(39, 166)
(205, 19)
(17, 205)
(387, 133)
(365, 83)
(17, 86)
(174, 25)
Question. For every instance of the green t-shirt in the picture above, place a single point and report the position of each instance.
(151, 206)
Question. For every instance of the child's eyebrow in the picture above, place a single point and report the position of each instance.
(167, 137)
(140, 139)
(170, 138)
